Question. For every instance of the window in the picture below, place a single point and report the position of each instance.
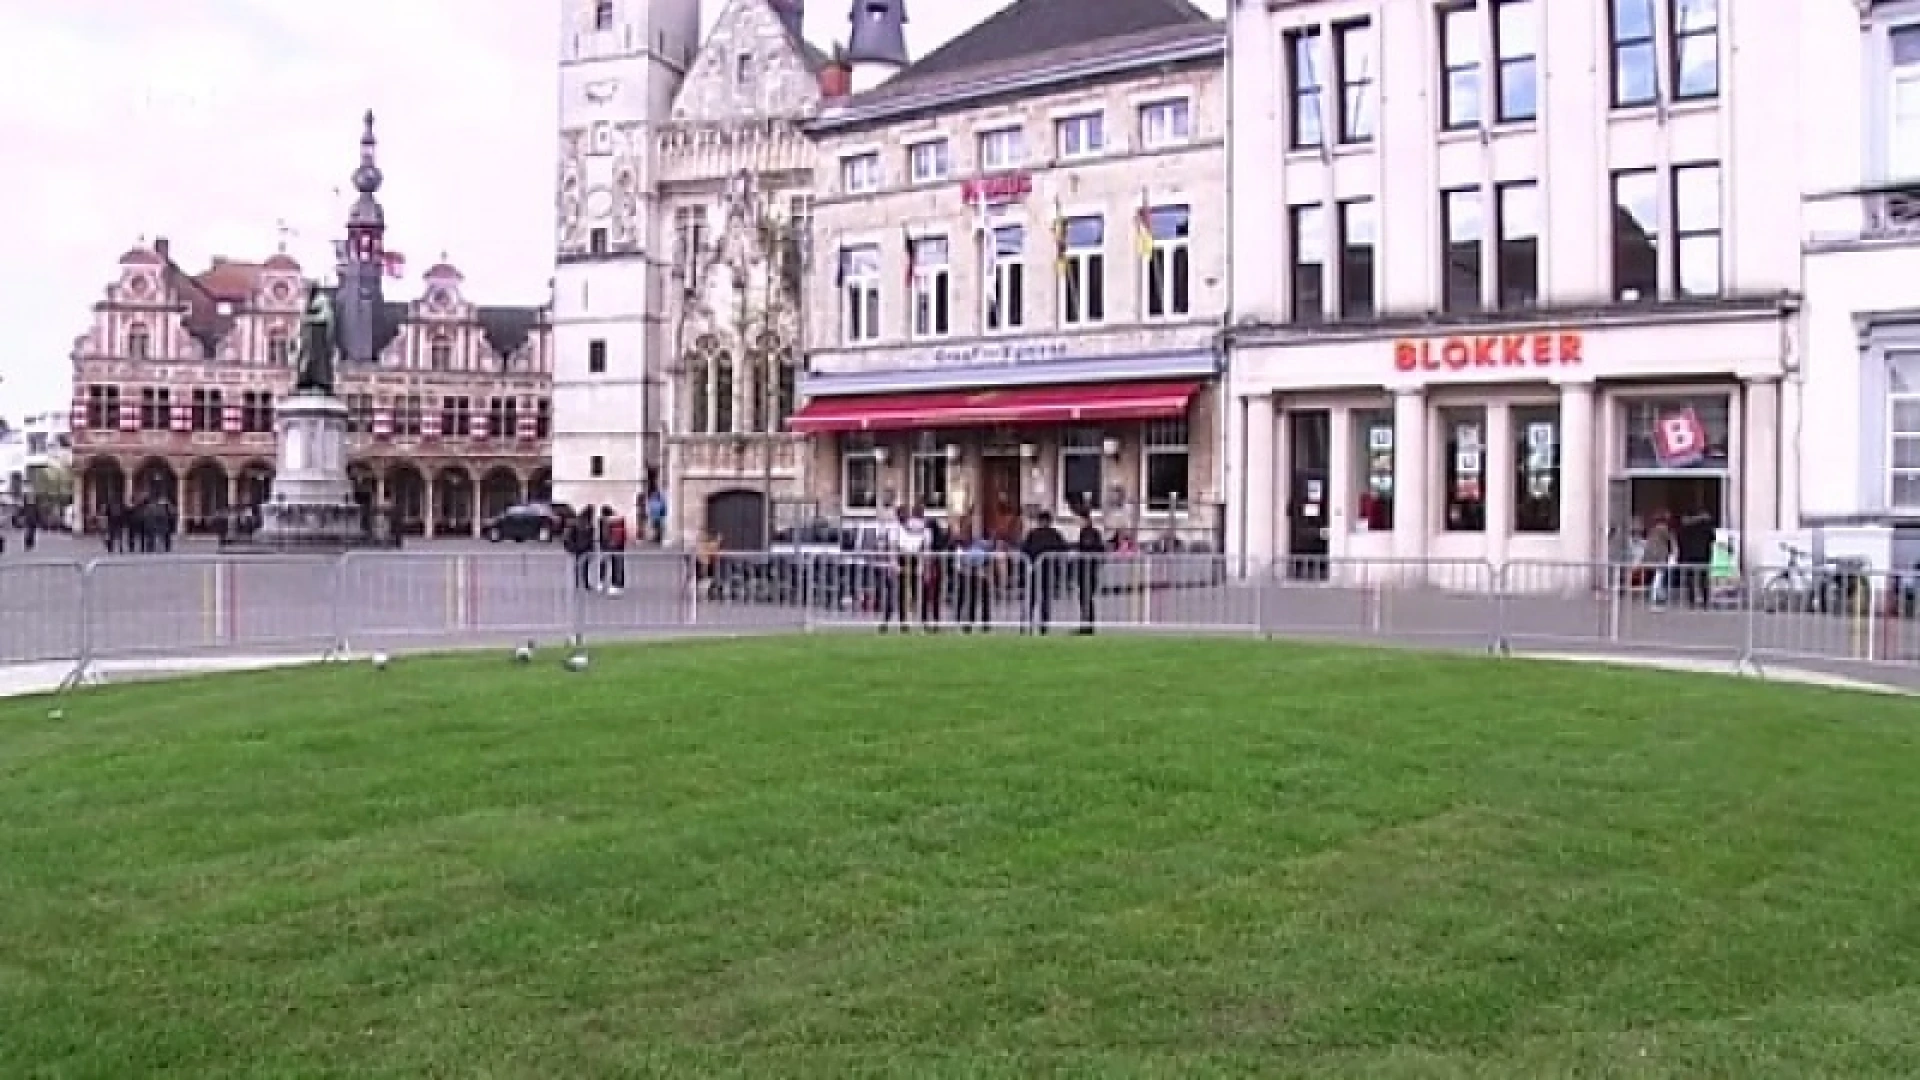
(1079, 136)
(596, 466)
(1903, 429)
(1305, 125)
(1083, 270)
(440, 353)
(456, 417)
(597, 240)
(1166, 123)
(860, 173)
(1696, 49)
(1536, 460)
(860, 292)
(1463, 472)
(929, 474)
(743, 70)
(597, 357)
(1903, 110)
(1636, 235)
(256, 412)
(1004, 148)
(208, 410)
(279, 351)
(859, 474)
(1516, 44)
(1007, 279)
(406, 416)
(1460, 50)
(1374, 448)
(503, 417)
(1356, 259)
(139, 343)
(359, 414)
(932, 286)
(1518, 208)
(1353, 42)
(1165, 467)
(1081, 469)
(722, 392)
(1465, 228)
(1635, 61)
(1696, 233)
(603, 14)
(785, 388)
(1678, 433)
(103, 407)
(156, 408)
(927, 161)
(1307, 243)
(1169, 261)
(689, 241)
(542, 417)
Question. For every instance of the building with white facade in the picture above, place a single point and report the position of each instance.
(1859, 471)
(1510, 277)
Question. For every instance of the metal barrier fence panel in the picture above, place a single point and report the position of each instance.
(1860, 618)
(388, 597)
(156, 606)
(41, 611)
(278, 602)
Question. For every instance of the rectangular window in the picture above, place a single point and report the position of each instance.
(1903, 429)
(932, 287)
(1460, 53)
(596, 466)
(1464, 227)
(927, 162)
(928, 475)
(1079, 136)
(596, 357)
(103, 407)
(1304, 89)
(1636, 236)
(1463, 472)
(1373, 449)
(1082, 469)
(359, 414)
(406, 416)
(1696, 49)
(860, 292)
(1518, 209)
(256, 412)
(1356, 259)
(1903, 105)
(1353, 44)
(1536, 461)
(1166, 466)
(542, 418)
(1003, 148)
(597, 241)
(503, 417)
(1636, 62)
(1307, 243)
(1169, 262)
(860, 173)
(456, 417)
(156, 408)
(1691, 432)
(859, 474)
(1696, 229)
(208, 410)
(689, 240)
(1166, 123)
(603, 14)
(1516, 43)
(1083, 271)
(1007, 279)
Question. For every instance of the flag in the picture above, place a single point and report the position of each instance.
(1060, 249)
(1143, 229)
(393, 263)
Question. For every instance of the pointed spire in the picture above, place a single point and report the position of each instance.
(366, 178)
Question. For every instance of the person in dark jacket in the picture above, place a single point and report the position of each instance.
(579, 540)
(1043, 549)
(1089, 548)
(1693, 546)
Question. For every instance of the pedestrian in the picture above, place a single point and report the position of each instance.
(1694, 544)
(613, 545)
(1655, 555)
(1042, 549)
(656, 516)
(973, 566)
(1089, 550)
(577, 540)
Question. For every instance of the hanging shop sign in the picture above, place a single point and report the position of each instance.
(997, 188)
(1679, 438)
(1483, 352)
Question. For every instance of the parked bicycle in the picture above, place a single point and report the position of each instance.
(1834, 586)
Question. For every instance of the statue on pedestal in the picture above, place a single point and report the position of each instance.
(318, 345)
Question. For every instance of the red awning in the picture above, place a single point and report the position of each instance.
(987, 408)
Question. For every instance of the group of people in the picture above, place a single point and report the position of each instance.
(597, 539)
(924, 569)
(1678, 556)
(146, 527)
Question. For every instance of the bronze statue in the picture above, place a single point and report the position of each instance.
(318, 344)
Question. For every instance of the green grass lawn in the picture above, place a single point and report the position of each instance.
(844, 857)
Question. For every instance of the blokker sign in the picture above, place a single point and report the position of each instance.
(1482, 352)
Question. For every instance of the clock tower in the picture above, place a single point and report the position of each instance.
(621, 62)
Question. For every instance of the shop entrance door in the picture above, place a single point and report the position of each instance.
(1634, 500)
(1310, 449)
(1000, 498)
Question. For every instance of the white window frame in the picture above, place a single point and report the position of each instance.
(857, 449)
(1091, 263)
(929, 161)
(1154, 443)
(1896, 398)
(860, 293)
(1899, 77)
(1081, 442)
(860, 173)
(1002, 288)
(928, 451)
(931, 290)
(1165, 122)
(1166, 250)
(1080, 135)
(1002, 148)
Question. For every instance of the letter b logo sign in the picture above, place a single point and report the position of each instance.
(1678, 438)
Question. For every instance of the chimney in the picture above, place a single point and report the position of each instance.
(162, 248)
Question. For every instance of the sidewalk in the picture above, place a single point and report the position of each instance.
(1698, 666)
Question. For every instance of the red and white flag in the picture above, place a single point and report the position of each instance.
(182, 418)
(393, 263)
(477, 425)
(383, 423)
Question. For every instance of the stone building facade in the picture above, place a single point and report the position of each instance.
(1020, 275)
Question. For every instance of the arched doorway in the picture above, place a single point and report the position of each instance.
(499, 489)
(105, 488)
(256, 484)
(206, 498)
(540, 485)
(453, 497)
(155, 479)
(407, 491)
(366, 484)
(739, 518)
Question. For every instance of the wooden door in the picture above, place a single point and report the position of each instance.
(1000, 498)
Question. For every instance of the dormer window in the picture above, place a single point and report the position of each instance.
(603, 14)
(743, 71)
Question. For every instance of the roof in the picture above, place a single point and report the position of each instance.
(1036, 43)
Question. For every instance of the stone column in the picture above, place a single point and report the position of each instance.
(430, 511)
(1412, 476)
(1498, 477)
(1342, 485)
(1259, 494)
(1760, 462)
(473, 508)
(1581, 463)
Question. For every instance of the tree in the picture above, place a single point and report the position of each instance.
(51, 485)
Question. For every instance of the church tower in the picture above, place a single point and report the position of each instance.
(877, 42)
(621, 62)
(362, 258)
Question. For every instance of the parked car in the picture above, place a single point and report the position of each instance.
(539, 522)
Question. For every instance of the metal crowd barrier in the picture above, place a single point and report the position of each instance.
(120, 609)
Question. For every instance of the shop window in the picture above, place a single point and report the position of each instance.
(1681, 433)
(929, 476)
(1165, 466)
(1374, 450)
(860, 474)
(1536, 457)
(1081, 469)
(1464, 470)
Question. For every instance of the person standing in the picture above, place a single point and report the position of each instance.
(1089, 550)
(1655, 556)
(578, 539)
(973, 565)
(1042, 549)
(613, 546)
(1694, 543)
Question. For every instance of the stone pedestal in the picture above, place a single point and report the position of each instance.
(312, 504)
